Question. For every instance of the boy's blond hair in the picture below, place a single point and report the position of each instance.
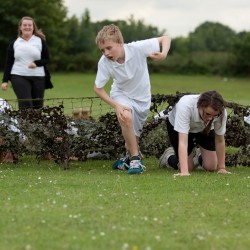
(109, 32)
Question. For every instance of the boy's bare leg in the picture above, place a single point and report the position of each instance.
(130, 139)
(129, 134)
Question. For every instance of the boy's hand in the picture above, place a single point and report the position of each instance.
(157, 56)
(121, 111)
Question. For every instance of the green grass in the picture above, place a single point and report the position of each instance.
(232, 89)
(81, 85)
(76, 85)
(92, 207)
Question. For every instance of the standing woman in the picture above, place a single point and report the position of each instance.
(197, 120)
(25, 65)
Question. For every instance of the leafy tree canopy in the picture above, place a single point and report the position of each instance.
(211, 36)
(212, 47)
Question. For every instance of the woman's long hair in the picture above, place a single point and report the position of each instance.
(36, 31)
(214, 100)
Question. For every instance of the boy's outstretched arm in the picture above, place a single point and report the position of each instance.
(164, 42)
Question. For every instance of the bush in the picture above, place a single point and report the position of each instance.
(51, 133)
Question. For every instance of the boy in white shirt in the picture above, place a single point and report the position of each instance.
(130, 94)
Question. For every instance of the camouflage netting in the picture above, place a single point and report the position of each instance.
(53, 135)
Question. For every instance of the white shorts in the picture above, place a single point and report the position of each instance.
(139, 111)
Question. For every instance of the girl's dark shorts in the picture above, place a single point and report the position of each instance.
(205, 141)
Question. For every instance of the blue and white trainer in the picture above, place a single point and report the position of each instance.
(122, 164)
(136, 165)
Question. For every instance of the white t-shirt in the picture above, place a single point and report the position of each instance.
(26, 52)
(130, 78)
(185, 117)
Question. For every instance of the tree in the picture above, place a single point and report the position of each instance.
(50, 16)
(87, 34)
(180, 45)
(241, 51)
(211, 36)
(133, 30)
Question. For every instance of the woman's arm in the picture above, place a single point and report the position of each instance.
(8, 65)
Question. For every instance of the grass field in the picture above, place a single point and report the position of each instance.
(92, 207)
(81, 85)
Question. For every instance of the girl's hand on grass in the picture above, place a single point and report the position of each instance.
(181, 174)
(223, 171)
